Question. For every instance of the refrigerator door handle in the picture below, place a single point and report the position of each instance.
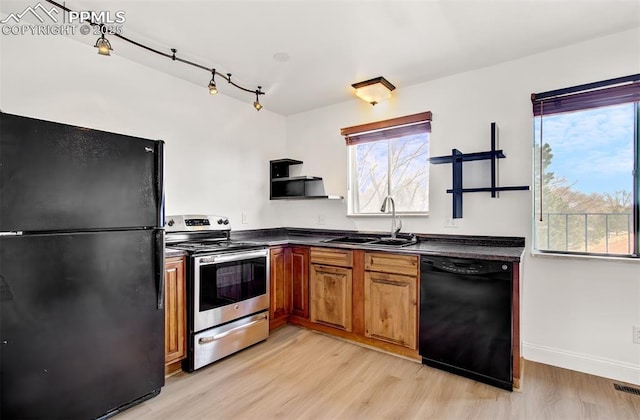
(160, 182)
(160, 267)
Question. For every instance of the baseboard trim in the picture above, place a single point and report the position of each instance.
(598, 366)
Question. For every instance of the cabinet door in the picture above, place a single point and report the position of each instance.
(300, 280)
(175, 311)
(280, 287)
(331, 296)
(390, 305)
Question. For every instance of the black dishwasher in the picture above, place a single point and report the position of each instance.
(465, 318)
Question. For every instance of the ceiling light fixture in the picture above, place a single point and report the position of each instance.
(104, 48)
(256, 104)
(374, 90)
(213, 89)
(102, 44)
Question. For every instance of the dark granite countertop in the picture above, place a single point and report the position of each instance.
(479, 247)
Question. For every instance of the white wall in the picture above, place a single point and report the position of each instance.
(217, 148)
(576, 313)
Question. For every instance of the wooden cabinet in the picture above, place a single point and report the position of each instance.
(279, 288)
(390, 308)
(289, 285)
(391, 298)
(331, 296)
(331, 287)
(175, 340)
(300, 282)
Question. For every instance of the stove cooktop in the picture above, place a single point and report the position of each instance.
(203, 234)
(214, 246)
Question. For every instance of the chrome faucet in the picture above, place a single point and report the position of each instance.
(383, 209)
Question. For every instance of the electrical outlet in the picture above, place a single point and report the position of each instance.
(636, 334)
(321, 219)
(244, 218)
(450, 222)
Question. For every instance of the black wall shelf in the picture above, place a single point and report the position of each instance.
(457, 158)
(296, 178)
(286, 187)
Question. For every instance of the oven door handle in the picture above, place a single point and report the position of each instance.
(205, 340)
(238, 256)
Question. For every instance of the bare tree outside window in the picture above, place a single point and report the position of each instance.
(398, 167)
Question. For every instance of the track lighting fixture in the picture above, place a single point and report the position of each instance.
(104, 48)
(256, 104)
(102, 44)
(213, 89)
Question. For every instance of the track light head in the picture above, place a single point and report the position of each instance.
(103, 46)
(213, 89)
(256, 104)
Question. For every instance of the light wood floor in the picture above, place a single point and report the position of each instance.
(300, 374)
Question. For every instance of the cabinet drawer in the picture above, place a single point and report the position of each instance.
(332, 256)
(391, 263)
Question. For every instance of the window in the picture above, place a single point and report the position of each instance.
(586, 168)
(389, 158)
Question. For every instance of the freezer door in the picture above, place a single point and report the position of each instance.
(57, 177)
(81, 332)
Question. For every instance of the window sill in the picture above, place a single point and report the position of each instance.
(387, 215)
(539, 254)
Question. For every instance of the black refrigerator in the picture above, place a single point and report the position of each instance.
(81, 270)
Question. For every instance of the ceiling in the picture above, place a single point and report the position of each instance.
(332, 44)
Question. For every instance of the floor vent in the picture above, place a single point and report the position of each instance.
(629, 389)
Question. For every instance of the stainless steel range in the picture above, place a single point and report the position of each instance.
(227, 288)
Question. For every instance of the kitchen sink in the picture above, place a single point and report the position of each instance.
(352, 240)
(393, 242)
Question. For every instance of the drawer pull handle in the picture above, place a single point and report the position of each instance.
(205, 340)
(391, 282)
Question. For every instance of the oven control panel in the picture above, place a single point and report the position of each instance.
(195, 222)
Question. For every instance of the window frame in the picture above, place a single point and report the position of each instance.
(622, 90)
(384, 130)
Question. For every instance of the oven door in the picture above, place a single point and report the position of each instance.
(229, 286)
